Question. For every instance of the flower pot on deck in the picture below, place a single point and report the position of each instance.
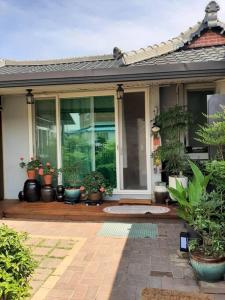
(47, 193)
(95, 196)
(72, 195)
(32, 190)
(47, 179)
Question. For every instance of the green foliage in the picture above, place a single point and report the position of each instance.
(208, 220)
(213, 133)
(188, 198)
(71, 176)
(217, 170)
(105, 159)
(16, 265)
(76, 151)
(173, 124)
(33, 164)
(94, 182)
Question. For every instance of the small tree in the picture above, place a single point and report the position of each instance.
(173, 124)
(213, 134)
(16, 265)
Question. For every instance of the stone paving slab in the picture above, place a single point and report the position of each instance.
(98, 268)
(212, 288)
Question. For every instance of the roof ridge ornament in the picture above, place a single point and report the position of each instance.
(117, 53)
(211, 14)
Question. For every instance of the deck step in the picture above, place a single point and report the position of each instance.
(127, 201)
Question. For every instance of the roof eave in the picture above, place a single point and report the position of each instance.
(137, 73)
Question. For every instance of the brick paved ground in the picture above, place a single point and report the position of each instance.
(110, 268)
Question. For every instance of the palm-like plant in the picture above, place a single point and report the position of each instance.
(188, 198)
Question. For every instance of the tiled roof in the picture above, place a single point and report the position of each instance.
(187, 56)
(71, 64)
(210, 21)
(171, 52)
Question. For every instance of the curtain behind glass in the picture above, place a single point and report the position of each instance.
(45, 131)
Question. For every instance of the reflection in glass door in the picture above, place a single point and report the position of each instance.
(88, 136)
(133, 142)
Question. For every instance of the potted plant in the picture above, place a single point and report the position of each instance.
(32, 167)
(32, 187)
(207, 253)
(16, 265)
(47, 171)
(95, 186)
(173, 124)
(71, 183)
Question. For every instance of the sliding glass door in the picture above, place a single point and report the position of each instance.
(88, 135)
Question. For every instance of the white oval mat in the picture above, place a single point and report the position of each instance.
(136, 209)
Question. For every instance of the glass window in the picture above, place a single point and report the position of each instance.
(197, 105)
(45, 130)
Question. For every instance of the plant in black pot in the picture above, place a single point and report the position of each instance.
(32, 187)
(71, 183)
(95, 186)
(207, 253)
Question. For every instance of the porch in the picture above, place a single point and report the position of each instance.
(58, 211)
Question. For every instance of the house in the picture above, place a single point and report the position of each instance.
(76, 117)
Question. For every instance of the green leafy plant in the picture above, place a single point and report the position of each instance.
(217, 170)
(95, 182)
(16, 265)
(208, 220)
(47, 169)
(173, 124)
(213, 133)
(188, 198)
(33, 164)
(105, 159)
(71, 176)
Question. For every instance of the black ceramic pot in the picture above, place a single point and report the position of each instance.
(60, 193)
(21, 196)
(47, 193)
(32, 190)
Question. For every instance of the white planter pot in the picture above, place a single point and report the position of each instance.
(182, 180)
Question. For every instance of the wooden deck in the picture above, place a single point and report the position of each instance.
(58, 211)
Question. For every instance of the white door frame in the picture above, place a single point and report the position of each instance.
(119, 149)
(118, 132)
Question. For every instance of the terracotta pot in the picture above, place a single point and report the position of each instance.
(31, 174)
(95, 196)
(47, 179)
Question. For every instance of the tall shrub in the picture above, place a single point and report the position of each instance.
(16, 265)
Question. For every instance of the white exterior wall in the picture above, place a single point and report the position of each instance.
(220, 87)
(15, 143)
